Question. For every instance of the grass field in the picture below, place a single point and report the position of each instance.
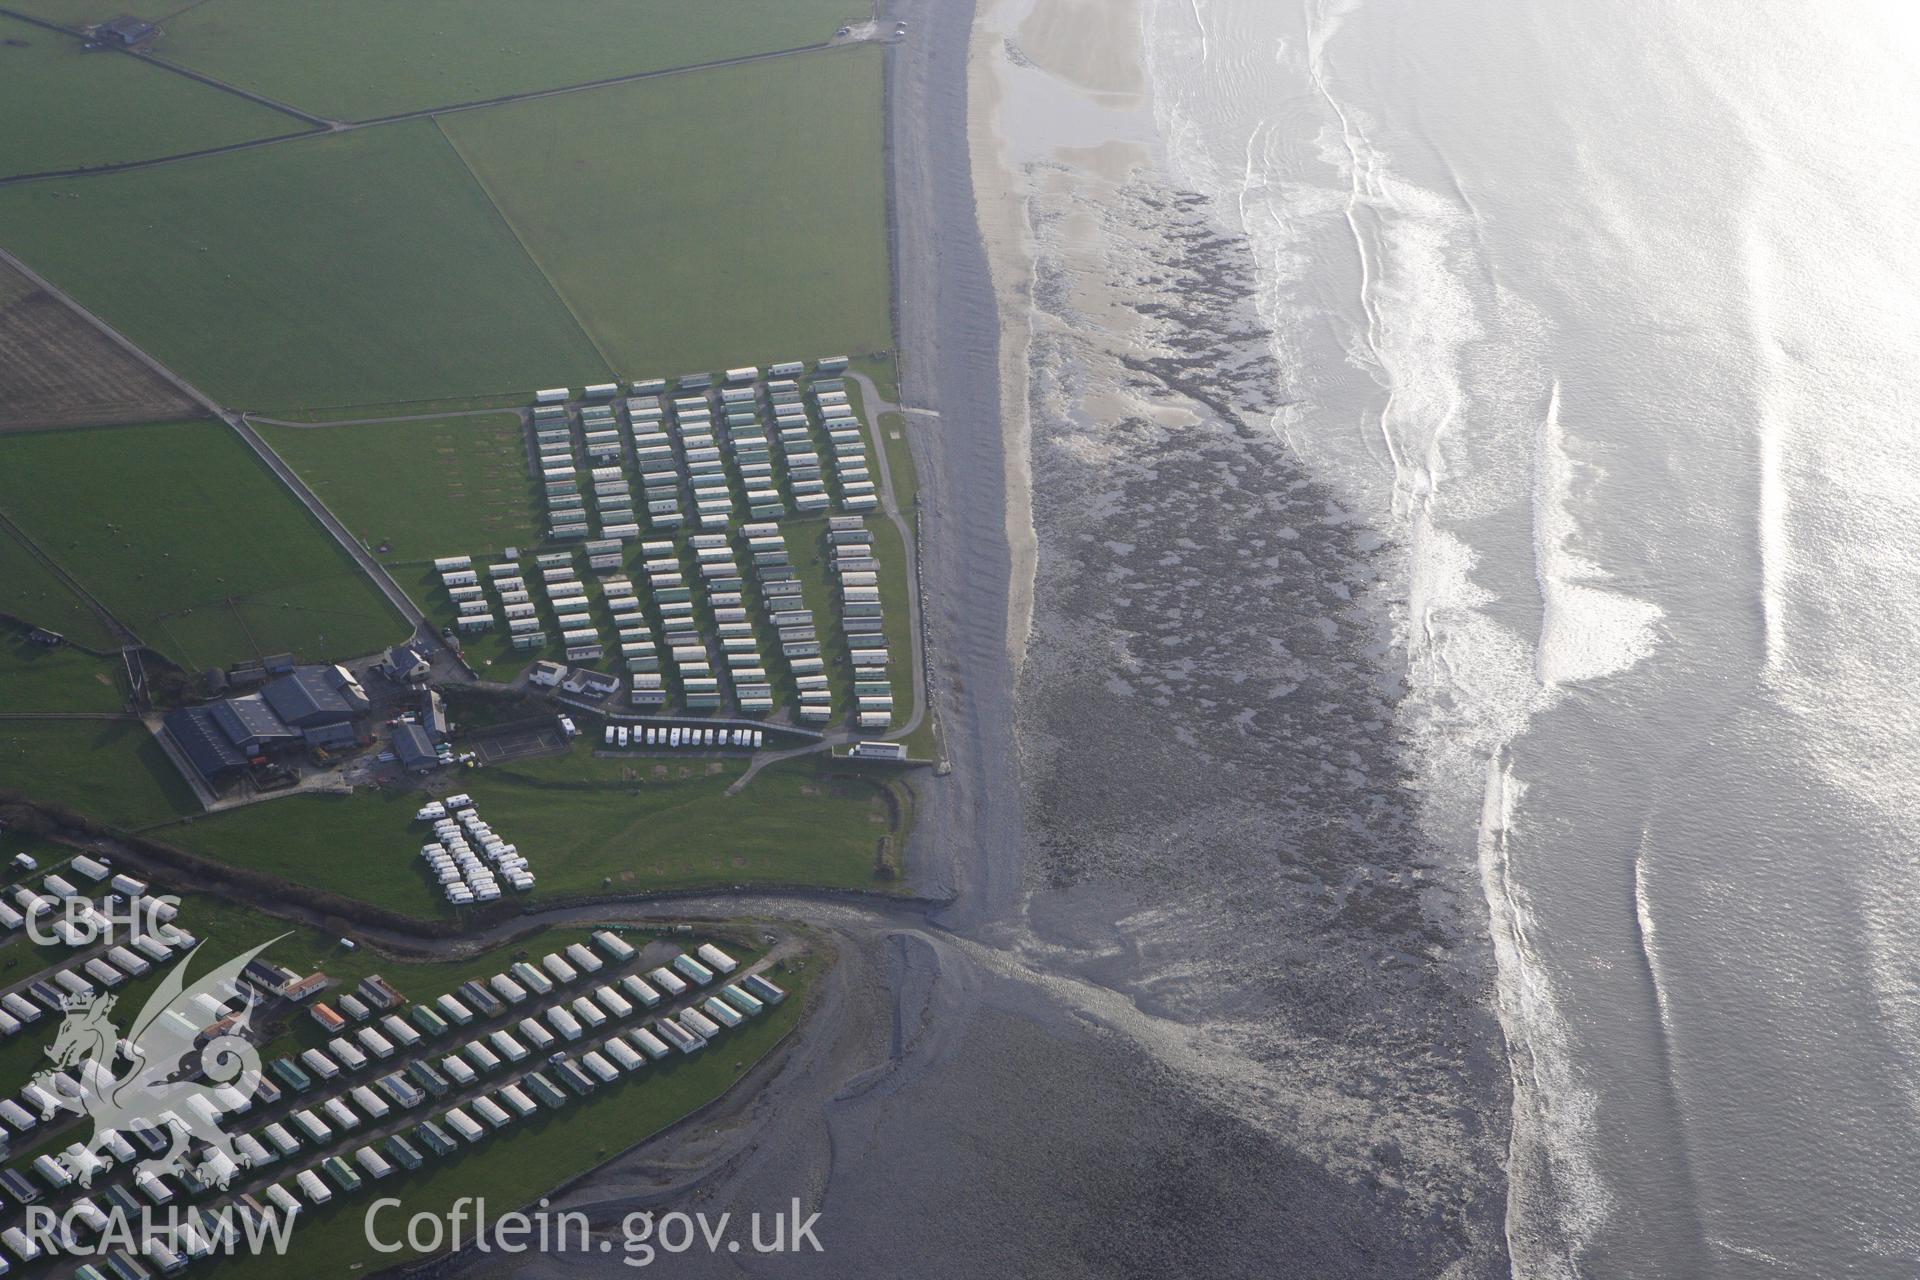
(412, 490)
(722, 217)
(191, 542)
(383, 58)
(587, 825)
(111, 770)
(30, 591)
(33, 678)
(356, 269)
(77, 13)
(68, 108)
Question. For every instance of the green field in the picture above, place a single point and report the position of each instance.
(110, 770)
(355, 269)
(722, 217)
(33, 678)
(382, 57)
(66, 108)
(78, 13)
(32, 593)
(419, 490)
(587, 825)
(191, 542)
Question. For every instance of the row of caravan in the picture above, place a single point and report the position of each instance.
(675, 736)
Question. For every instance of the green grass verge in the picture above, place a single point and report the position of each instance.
(67, 108)
(359, 268)
(111, 770)
(411, 490)
(722, 217)
(588, 826)
(383, 58)
(192, 542)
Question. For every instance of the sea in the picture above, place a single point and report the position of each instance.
(1604, 315)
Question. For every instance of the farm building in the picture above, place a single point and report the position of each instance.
(433, 714)
(405, 662)
(319, 702)
(204, 745)
(415, 748)
(251, 724)
(120, 33)
(314, 706)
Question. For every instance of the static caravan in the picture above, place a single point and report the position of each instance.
(623, 1056)
(313, 1187)
(613, 1002)
(319, 1063)
(368, 1101)
(693, 970)
(722, 1012)
(616, 948)
(679, 1037)
(318, 1131)
(492, 1112)
(340, 1114)
(699, 1023)
(464, 1125)
(649, 1043)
